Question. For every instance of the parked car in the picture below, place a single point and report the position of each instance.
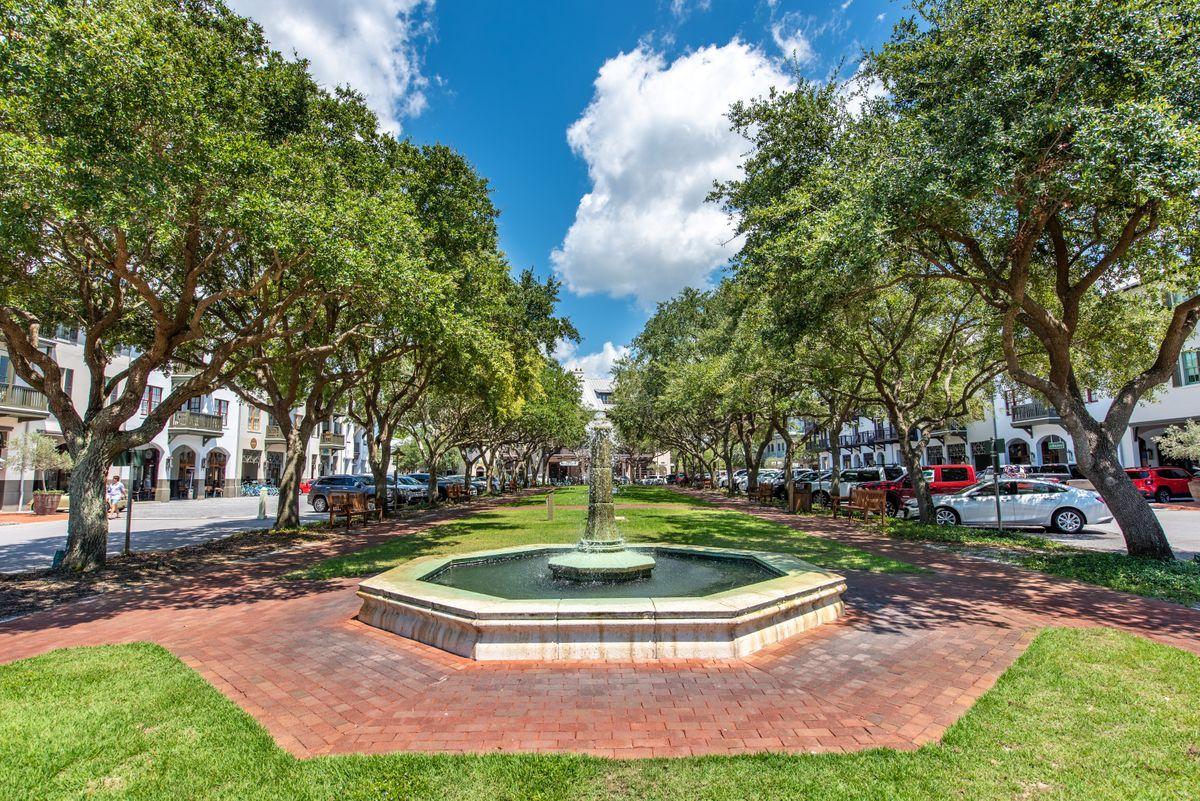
(1160, 483)
(799, 476)
(318, 491)
(477, 484)
(723, 481)
(1024, 503)
(409, 490)
(766, 475)
(943, 479)
(1055, 472)
(850, 478)
(442, 483)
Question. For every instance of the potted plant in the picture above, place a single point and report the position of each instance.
(37, 452)
(45, 502)
(1183, 442)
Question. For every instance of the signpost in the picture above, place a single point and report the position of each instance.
(997, 449)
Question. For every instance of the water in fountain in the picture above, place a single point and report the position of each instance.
(601, 554)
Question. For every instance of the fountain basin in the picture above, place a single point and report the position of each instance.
(774, 596)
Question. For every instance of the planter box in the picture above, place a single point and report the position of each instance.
(46, 504)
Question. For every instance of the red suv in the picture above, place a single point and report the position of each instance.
(1160, 483)
(942, 478)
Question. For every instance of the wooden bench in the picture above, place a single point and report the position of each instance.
(864, 501)
(457, 492)
(350, 505)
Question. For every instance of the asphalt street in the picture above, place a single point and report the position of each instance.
(156, 526)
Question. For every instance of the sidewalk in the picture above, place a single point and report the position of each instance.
(157, 525)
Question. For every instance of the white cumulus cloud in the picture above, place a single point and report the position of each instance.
(655, 136)
(792, 41)
(369, 45)
(594, 365)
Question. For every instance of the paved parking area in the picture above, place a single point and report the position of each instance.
(912, 654)
(157, 526)
(1181, 523)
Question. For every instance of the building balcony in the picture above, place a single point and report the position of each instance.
(1032, 413)
(274, 436)
(185, 421)
(24, 403)
(333, 439)
(886, 434)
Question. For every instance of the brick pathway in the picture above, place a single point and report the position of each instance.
(911, 655)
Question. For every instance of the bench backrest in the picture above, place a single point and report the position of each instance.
(343, 500)
(869, 499)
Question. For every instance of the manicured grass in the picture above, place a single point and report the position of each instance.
(651, 514)
(916, 531)
(1083, 714)
(1171, 581)
(1174, 581)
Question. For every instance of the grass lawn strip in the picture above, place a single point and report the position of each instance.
(650, 514)
(1083, 714)
(1176, 581)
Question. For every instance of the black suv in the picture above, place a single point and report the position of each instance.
(318, 493)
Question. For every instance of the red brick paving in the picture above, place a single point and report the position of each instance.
(912, 654)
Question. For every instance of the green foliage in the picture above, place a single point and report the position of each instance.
(131, 721)
(1181, 442)
(1171, 580)
(35, 451)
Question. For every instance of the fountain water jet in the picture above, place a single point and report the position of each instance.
(601, 554)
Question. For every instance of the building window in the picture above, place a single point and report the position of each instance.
(603, 397)
(253, 418)
(1091, 396)
(1189, 364)
(151, 399)
(195, 404)
(68, 380)
(223, 410)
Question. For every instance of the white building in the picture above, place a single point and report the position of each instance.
(206, 449)
(1031, 429)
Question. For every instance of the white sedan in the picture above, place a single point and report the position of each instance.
(1023, 503)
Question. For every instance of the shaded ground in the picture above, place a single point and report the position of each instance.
(30, 543)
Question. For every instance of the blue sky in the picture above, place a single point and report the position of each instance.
(598, 124)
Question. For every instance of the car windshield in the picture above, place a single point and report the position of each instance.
(1138, 473)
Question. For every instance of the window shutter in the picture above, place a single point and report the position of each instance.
(1177, 374)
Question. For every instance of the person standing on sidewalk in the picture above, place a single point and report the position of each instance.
(115, 493)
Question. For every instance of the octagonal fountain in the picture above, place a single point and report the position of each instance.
(601, 599)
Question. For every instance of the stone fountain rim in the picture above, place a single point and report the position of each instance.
(798, 581)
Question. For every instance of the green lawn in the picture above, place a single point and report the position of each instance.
(651, 513)
(1091, 714)
(1172, 581)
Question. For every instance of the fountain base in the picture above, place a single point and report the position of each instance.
(584, 565)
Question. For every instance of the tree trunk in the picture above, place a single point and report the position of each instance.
(789, 480)
(911, 452)
(379, 474)
(727, 456)
(1096, 456)
(287, 515)
(835, 451)
(468, 467)
(87, 521)
(431, 490)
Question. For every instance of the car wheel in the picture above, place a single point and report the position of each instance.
(319, 504)
(820, 498)
(892, 508)
(1067, 521)
(1163, 495)
(945, 516)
